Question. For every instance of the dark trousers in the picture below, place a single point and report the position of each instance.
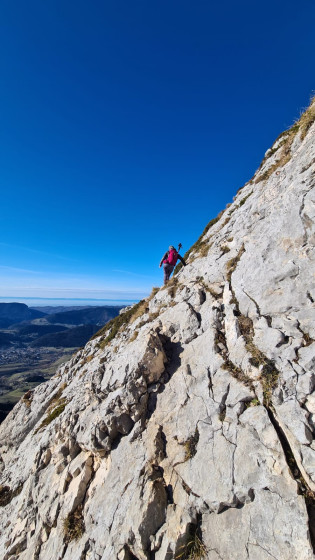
(168, 269)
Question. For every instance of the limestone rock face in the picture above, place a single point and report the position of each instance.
(192, 430)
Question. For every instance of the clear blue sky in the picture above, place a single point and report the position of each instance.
(127, 125)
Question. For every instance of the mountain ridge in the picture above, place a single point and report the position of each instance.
(185, 427)
(11, 313)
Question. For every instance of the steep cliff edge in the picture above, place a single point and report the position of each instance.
(185, 429)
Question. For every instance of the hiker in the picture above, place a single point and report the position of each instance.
(169, 261)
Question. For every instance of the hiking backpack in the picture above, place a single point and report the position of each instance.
(172, 257)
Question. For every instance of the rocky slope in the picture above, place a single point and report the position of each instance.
(185, 429)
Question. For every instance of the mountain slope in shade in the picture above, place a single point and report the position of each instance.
(6, 339)
(70, 338)
(38, 330)
(92, 316)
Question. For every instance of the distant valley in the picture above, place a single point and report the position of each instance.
(35, 341)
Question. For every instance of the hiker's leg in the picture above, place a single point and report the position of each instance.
(166, 273)
(168, 269)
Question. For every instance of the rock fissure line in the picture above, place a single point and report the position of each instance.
(210, 384)
(290, 457)
(234, 370)
(262, 548)
(308, 295)
(304, 489)
(308, 494)
(85, 550)
(256, 305)
(301, 210)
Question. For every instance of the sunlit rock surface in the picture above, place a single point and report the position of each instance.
(192, 430)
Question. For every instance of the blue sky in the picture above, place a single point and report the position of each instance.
(127, 126)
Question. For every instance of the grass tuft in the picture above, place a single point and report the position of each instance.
(194, 548)
(269, 380)
(253, 402)
(134, 336)
(246, 326)
(307, 119)
(242, 202)
(238, 373)
(55, 412)
(191, 445)
(73, 525)
(269, 373)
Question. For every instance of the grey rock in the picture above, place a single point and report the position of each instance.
(184, 422)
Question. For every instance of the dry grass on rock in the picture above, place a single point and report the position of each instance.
(73, 525)
(287, 137)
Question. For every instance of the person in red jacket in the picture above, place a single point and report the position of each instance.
(169, 260)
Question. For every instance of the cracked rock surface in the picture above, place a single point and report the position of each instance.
(198, 418)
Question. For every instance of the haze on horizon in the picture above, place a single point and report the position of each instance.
(128, 126)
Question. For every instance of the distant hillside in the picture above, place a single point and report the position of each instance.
(71, 338)
(52, 309)
(39, 330)
(5, 340)
(4, 323)
(87, 316)
(11, 313)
